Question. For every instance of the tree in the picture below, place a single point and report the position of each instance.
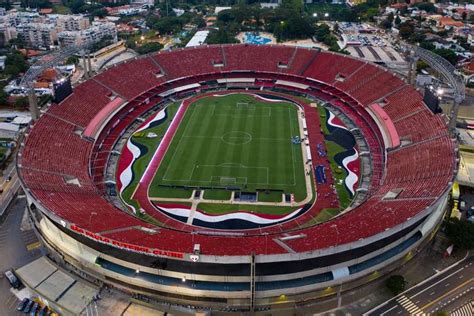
(447, 54)
(15, 63)
(396, 284)
(405, 30)
(3, 97)
(72, 60)
(426, 6)
(21, 102)
(391, 17)
(221, 36)
(149, 48)
(398, 20)
(461, 233)
(421, 64)
(386, 24)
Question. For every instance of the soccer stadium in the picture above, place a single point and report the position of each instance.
(238, 177)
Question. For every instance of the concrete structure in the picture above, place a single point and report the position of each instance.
(44, 31)
(77, 222)
(38, 34)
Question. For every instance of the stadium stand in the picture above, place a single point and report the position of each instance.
(74, 166)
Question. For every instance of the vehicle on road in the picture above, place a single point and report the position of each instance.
(28, 307)
(34, 309)
(44, 311)
(22, 305)
(14, 282)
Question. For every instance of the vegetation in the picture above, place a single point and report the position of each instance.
(149, 48)
(229, 208)
(396, 284)
(104, 41)
(460, 232)
(15, 64)
(217, 194)
(72, 60)
(324, 35)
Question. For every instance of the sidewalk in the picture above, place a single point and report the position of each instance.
(424, 265)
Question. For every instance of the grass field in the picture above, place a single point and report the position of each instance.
(218, 209)
(234, 141)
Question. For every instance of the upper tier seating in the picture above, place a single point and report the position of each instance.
(196, 60)
(131, 78)
(57, 149)
(326, 66)
(83, 104)
(244, 57)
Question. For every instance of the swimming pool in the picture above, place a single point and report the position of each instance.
(251, 38)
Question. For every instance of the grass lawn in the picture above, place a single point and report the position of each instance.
(166, 192)
(227, 208)
(235, 141)
(217, 194)
(270, 196)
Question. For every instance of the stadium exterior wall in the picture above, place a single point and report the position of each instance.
(59, 243)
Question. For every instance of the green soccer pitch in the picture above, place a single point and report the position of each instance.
(234, 141)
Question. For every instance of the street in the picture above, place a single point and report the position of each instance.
(446, 291)
(14, 245)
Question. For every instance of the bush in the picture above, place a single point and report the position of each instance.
(149, 48)
(396, 284)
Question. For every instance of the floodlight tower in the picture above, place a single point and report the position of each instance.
(45, 62)
(449, 73)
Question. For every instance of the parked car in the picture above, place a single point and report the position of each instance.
(34, 309)
(14, 282)
(43, 311)
(28, 307)
(22, 305)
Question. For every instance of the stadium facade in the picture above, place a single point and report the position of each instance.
(67, 163)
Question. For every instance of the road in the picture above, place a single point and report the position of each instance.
(445, 291)
(17, 248)
(10, 185)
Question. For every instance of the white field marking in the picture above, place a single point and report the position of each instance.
(179, 143)
(230, 165)
(220, 137)
(292, 149)
(165, 178)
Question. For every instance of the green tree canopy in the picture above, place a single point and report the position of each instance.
(461, 233)
(149, 48)
(396, 284)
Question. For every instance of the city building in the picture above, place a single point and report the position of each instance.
(47, 31)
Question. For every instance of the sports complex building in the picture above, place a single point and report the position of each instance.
(238, 175)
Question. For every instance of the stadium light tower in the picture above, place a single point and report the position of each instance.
(448, 72)
(45, 62)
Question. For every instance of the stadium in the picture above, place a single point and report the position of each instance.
(238, 176)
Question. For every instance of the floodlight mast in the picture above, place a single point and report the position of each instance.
(449, 73)
(45, 62)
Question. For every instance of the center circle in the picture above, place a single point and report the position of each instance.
(236, 138)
